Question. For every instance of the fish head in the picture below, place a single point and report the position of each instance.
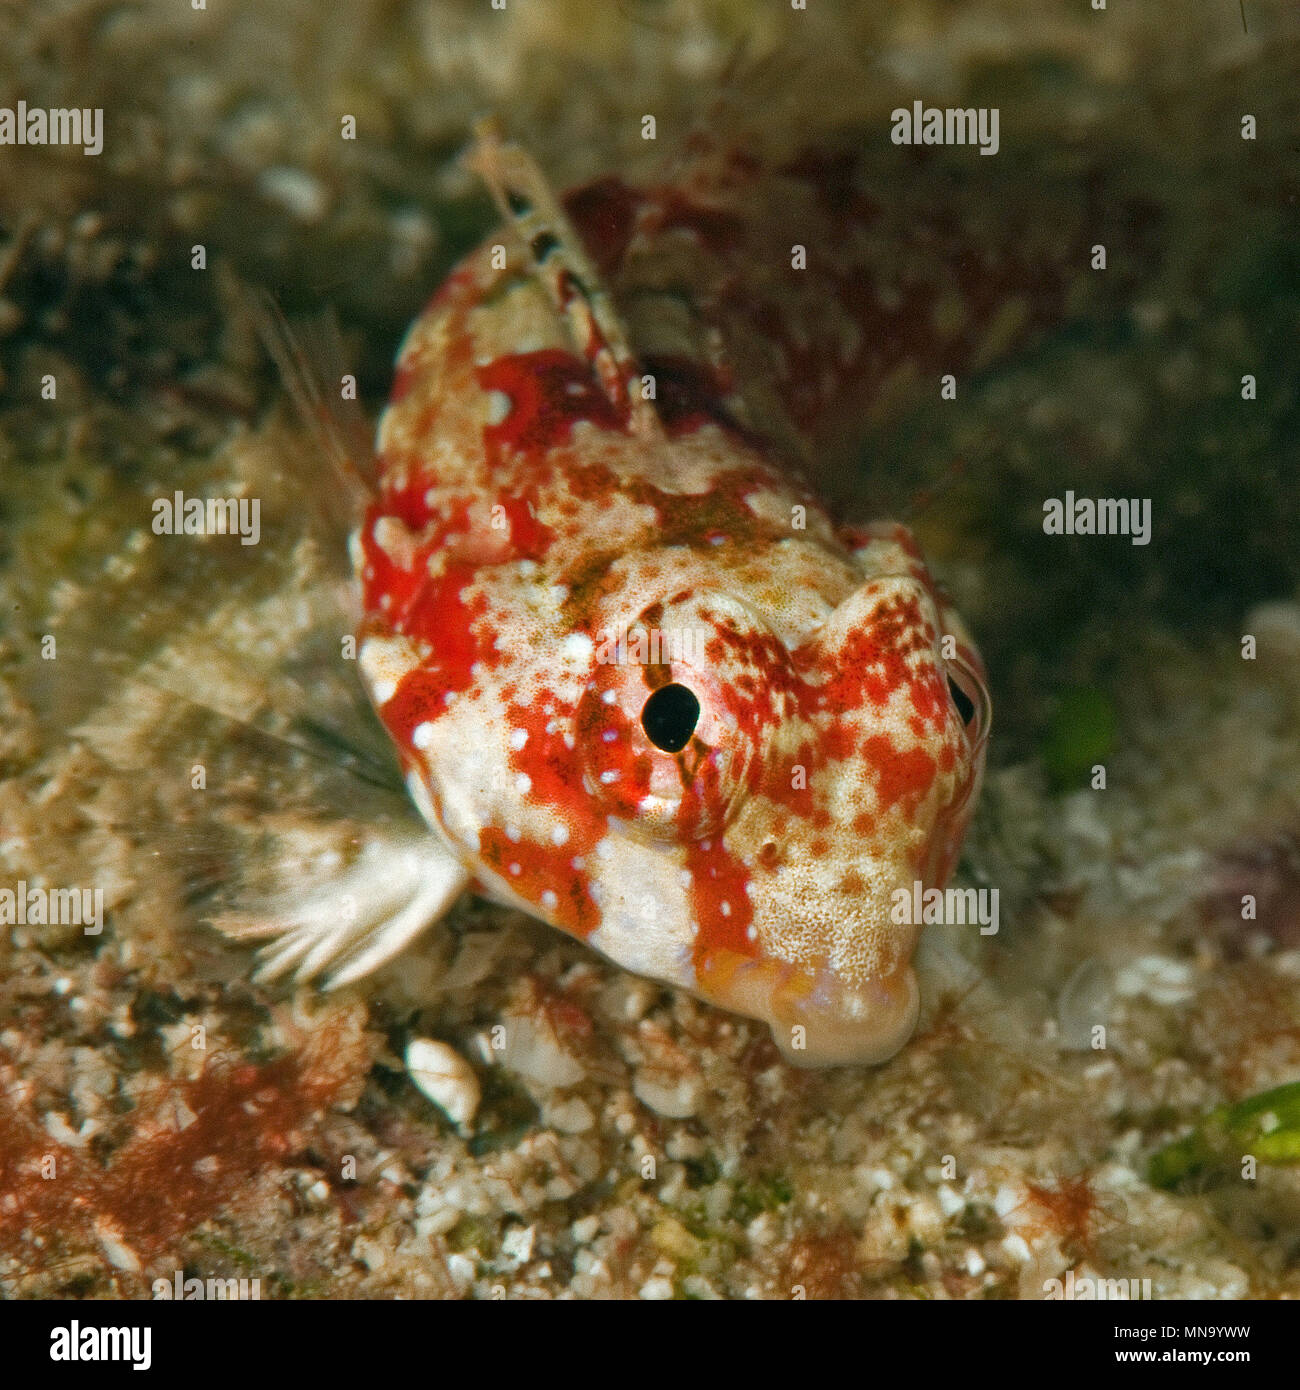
(724, 796)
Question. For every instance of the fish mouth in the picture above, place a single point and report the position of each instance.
(817, 1018)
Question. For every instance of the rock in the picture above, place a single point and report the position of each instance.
(445, 1077)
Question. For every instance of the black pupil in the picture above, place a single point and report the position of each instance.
(670, 716)
(963, 701)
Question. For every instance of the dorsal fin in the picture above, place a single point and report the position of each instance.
(311, 360)
(552, 244)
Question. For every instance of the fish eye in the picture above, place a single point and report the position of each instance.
(970, 698)
(965, 705)
(675, 720)
(669, 717)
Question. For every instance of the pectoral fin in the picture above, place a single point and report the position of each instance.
(359, 917)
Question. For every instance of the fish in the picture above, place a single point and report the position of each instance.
(641, 683)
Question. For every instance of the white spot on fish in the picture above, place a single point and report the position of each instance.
(422, 734)
(559, 834)
(518, 737)
(523, 784)
(577, 646)
(384, 661)
(395, 540)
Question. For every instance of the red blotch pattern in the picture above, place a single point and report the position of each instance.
(720, 902)
(903, 776)
(531, 867)
(550, 391)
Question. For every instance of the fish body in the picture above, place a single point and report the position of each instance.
(642, 686)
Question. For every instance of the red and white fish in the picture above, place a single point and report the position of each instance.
(642, 685)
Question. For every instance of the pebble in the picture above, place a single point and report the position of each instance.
(1162, 979)
(675, 1098)
(299, 193)
(533, 1052)
(570, 1116)
(118, 1253)
(949, 1201)
(517, 1244)
(585, 1230)
(445, 1077)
